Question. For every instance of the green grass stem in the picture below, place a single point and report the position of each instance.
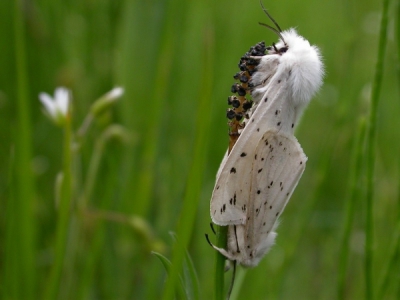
(19, 264)
(220, 260)
(370, 155)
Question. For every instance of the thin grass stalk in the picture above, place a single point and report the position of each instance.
(113, 131)
(195, 176)
(240, 276)
(19, 272)
(390, 270)
(354, 177)
(222, 233)
(370, 155)
(64, 216)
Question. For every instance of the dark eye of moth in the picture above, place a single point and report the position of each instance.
(283, 49)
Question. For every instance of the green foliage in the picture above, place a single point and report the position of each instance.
(117, 201)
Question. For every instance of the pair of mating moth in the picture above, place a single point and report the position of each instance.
(264, 161)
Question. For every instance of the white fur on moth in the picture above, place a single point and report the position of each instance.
(257, 178)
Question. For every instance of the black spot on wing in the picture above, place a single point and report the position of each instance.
(233, 170)
(243, 154)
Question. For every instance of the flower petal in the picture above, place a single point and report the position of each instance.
(62, 100)
(48, 104)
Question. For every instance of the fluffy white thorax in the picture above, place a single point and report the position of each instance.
(304, 62)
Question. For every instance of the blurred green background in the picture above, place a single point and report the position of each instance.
(176, 60)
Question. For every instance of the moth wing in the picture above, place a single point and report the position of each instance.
(232, 189)
(231, 195)
(281, 162)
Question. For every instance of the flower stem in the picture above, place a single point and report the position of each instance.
(64, 215)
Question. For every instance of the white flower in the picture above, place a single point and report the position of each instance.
(106, 101)
(115, 93)
(56, 108)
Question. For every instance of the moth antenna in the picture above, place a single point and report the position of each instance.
(233, 280)
(276, 49)
(269, 16)
(274, 30)
(277, 31)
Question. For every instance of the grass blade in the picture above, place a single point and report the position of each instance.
(19, 263)
(370, 155)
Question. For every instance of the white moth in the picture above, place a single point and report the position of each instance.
(258, 176)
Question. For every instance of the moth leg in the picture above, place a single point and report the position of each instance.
(236, 239)
(212, 228)
(220, 250)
